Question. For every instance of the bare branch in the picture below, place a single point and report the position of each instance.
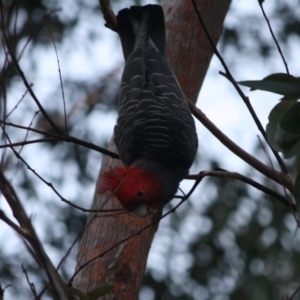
(16, 63)
(282, 178)
(274, 37)
(31, 285)
(52, 186)
(10, 223)
(234, 175)
(27, 132)
(229, 76)
(16, 106)
(27, 231)
(42, 23)
(109, 15)
(24, 143)
(265, 151)
(65, 138)
(60, 80)
(63, 259)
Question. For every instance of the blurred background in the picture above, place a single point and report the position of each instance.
(229, 241)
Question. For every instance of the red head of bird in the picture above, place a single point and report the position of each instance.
(138, 190)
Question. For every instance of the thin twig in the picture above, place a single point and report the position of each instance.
(238, 89)
(124, 240)
(61, 82)
(36, 31)
(15, 21)
(29, 142)
(10, 223)
(52, 186)
(16, 106)
(282, 178)
(27, 131)
(198, 179)
(24, 79)
(64, 258)
(65, 138)
(266, 152)
(273, 36)
(31, 285)
(234, 175)
(27, 231)
(183, 199)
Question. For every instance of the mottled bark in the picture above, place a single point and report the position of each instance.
(189, 54)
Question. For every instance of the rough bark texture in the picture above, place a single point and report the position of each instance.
(189, 54)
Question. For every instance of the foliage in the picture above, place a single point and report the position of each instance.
(283, 129)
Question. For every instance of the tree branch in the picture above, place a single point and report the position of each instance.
(274, 37)
(109, 15)
(26, 230)
(61, 137)
(234, 175)
(282, 178)
(11, 145)
(238, 89)
(15, 61)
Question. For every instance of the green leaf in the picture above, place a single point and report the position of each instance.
(278, 83)
(79, 294)
(282, 77)
(290, 120)
(288, 143)
(100, 291)
(272, 126)
(281, 140)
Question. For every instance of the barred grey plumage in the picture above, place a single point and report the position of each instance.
(155, 129)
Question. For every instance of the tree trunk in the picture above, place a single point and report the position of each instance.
(189, 54)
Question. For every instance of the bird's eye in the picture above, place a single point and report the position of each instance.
(141, 194)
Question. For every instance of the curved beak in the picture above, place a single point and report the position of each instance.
(143, 211)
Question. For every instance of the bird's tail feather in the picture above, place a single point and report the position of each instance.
(139, 24)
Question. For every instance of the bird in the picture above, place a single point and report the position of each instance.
(155, 134)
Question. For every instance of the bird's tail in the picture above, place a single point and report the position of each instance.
(140, 24)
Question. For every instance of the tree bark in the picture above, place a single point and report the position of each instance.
(189, 54)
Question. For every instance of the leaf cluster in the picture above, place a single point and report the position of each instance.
(283, 129)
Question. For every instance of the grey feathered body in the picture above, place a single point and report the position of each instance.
(155, 129)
